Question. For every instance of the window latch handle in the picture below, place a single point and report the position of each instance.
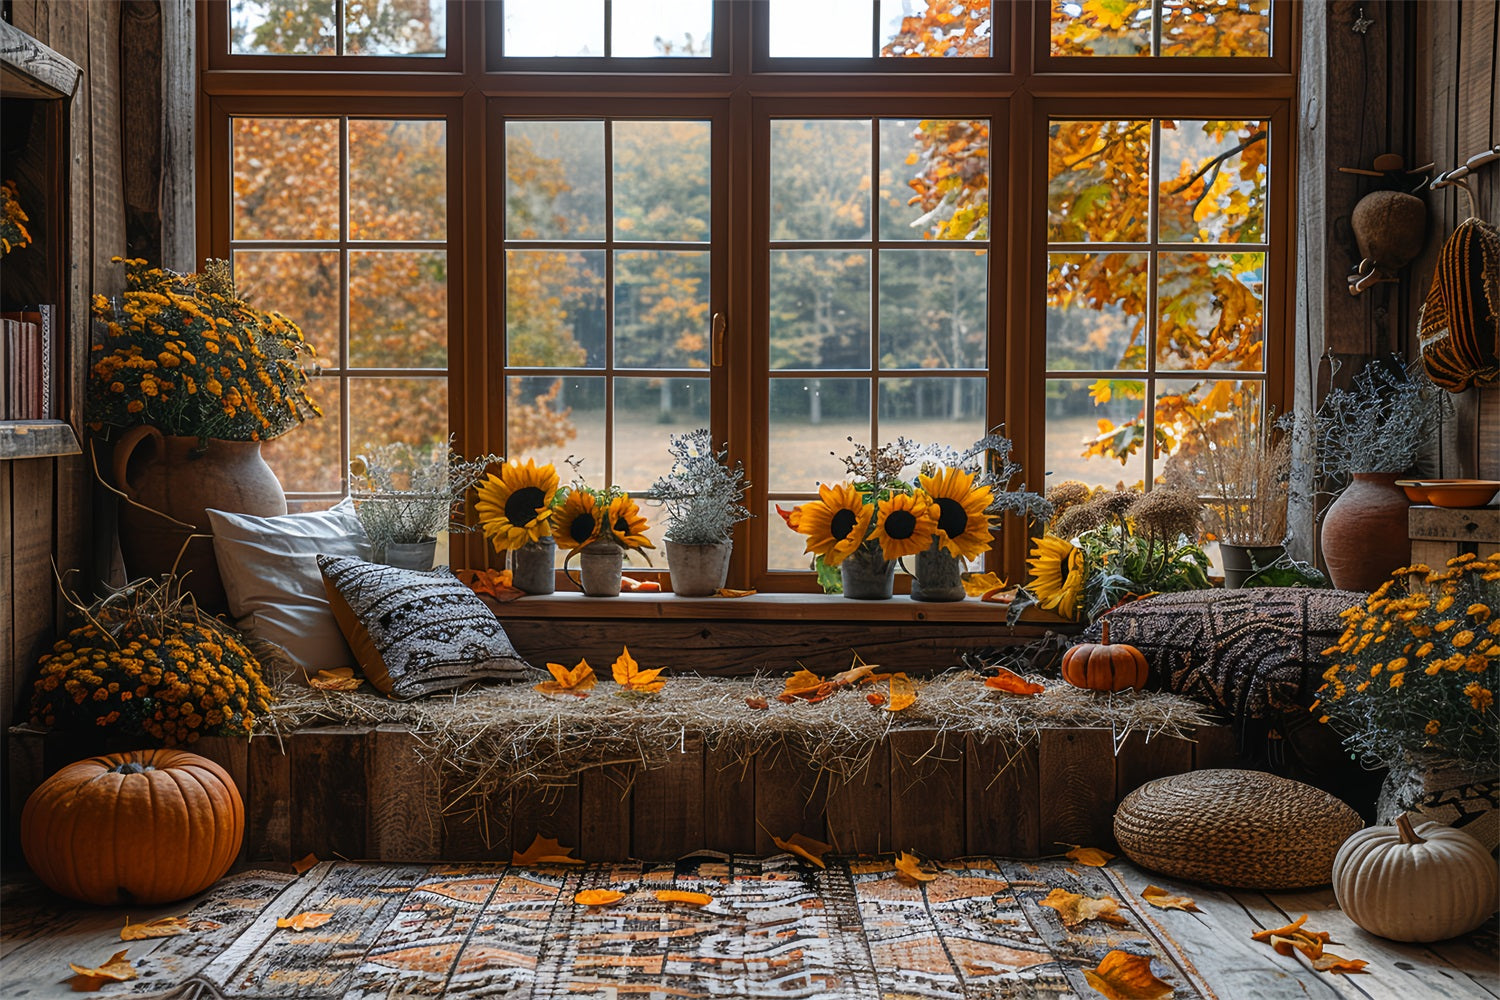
(718, 334)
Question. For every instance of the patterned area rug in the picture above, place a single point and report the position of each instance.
(775, 928)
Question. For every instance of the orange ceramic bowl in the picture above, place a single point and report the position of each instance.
(1459, 492)
(1416, 491)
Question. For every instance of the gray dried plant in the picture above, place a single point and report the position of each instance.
(703, 494)
(1382, 422)
(408, 493)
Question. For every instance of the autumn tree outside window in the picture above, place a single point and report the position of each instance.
(796, 222)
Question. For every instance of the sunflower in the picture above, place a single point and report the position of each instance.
(963, 528)
(576, 523)
(904, 524)
(835, 524)
(515, 507)
(627, 523)
(1057, 575)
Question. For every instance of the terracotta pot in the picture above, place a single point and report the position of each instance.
(1365, 533)
(170, 482)
(698, 570)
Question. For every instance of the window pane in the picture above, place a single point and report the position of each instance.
(811, 422)
(550, 418)
(306, 458)
(820, 180)
(946, 411)
(1212, 186)
(1183, 406)
(554, 308)
(1095, 430)
(661, 310)
(785, 548)
(656, 28)
(1209, 311)
(398, 179)
(281, 27)
(820, 309)
(385, 410)
(1097, 181)
(554, 180)
(934, 180)
(395, 27)
(935, 28)
(286, 178)
(1216, 28)
(398, 309)
(661, 181)
(647, 412)
(932, 308)
(303, 285)
(1112, 28)
(1096, 311)
(830, 29)
(543, 28)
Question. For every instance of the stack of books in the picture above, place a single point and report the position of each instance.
(27, 356)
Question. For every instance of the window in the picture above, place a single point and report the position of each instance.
(796, 223)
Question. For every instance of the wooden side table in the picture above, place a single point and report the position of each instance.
(1440, 533)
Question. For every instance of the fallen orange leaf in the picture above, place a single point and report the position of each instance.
(1012, 683)
(682, 896)
(909, 867)
(598, 897)
(1000, 595)
(116, 970)
(731, 592)
(161, 927)
(1075, 908)
(545, 850)
(1159, 898)
(758, 703)
(858, 671)
(576, 682)
(303, 921)
(495, 583)
(337, 679)
(1287, 945)
(804, 847)
(307, 862)
(631, 677)
(903, 693)
(1091, 857)
(875, 698)
(802, 684)
(1123, 976)
(1329, 962)
(640, 586)
(1267, 934)
(976, 584)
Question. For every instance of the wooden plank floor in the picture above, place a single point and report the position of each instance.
(34, 955)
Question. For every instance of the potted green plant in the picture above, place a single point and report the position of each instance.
(1369, 436)
(406, 494)
(704, 499)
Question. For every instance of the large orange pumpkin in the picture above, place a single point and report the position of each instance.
(147, 826)
(1105, 666)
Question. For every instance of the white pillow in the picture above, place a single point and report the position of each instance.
(270, 571)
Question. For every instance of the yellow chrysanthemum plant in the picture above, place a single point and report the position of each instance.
(13, 219)
(1413, 677)
(186, 354)
(517, 505)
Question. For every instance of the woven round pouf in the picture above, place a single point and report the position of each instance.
(1242, 829)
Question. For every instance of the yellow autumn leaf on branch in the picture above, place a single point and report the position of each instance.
(683, 896)
(116, 970)
(909, 867)
(1075, 908)
(1123, 976)
(631, 677)
(161, 927)
(576, 682)
(1161, 899)
(303, 921)
(545, 850)
(804, 847)
(598, 897)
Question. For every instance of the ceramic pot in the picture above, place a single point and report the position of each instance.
(937, 575)
(1242, 562)
(867, 576)
(1365, 534)
(698, 570)
(170, 481)
(534, 566)
(600, 566)
(409, 555)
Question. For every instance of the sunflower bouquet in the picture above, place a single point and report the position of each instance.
(1413, 676)
(1115, 545)
(185, 354)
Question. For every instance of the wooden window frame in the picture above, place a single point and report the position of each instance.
(1021, 87)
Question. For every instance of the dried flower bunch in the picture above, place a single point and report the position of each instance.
(13, 219)
(1382, 422)
(1115, 546)
(185, 354)
(703, 494)
(1413, 676)
(408, 493)
(1244, 465)
(146, 663)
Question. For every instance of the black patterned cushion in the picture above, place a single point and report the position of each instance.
(1249, 654)
(414, 633)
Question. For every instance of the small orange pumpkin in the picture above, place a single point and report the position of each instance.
(1105, 666)
(142, 827)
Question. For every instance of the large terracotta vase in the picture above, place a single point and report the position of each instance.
(170, 482)
(1365, 533)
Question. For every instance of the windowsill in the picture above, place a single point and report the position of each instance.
(20, 439)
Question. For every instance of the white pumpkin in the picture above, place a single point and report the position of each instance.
(1415, 884)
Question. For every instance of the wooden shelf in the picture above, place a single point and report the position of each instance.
(30, 69)
(36, 439)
